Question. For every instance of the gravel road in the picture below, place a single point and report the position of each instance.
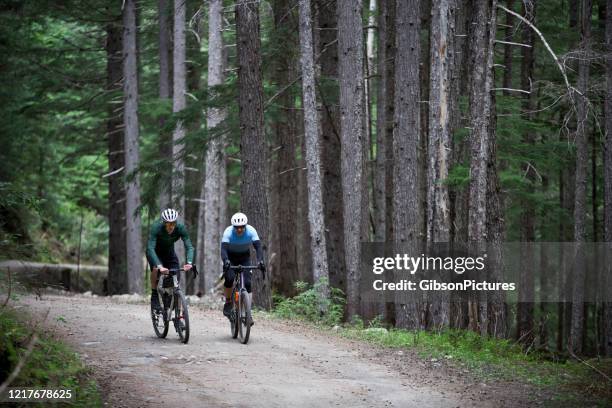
(283, 365)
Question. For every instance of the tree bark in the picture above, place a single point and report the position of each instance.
(313, 152)
(577, 325)
(379, 179)
(253, 198)
(406, 202)
(130, 121)
(330, 148)
(439, 151)
(350, 68)
(210, 204)
(481, 61)
(608, 178)
(165, 91)
(117, 272)
(285, 138)
(179, 103)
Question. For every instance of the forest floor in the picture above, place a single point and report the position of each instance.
(284, 364)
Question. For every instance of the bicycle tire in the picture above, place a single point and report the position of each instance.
(155, 318)
(234, 317)
(181, 314)
(245, 317)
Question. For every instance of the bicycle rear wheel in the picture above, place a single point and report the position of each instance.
(244, 308)
(159, 325)
(181, 317)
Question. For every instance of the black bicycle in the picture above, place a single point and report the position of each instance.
(241, 319)
(175, 307)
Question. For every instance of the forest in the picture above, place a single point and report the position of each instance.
(331, 124)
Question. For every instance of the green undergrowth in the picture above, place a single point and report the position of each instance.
(490, 358)
(484, 358)
(52, 364)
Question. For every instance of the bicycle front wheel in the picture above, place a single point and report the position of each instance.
(160, 325)
(181, 317)
(234, 316)
(244, 307)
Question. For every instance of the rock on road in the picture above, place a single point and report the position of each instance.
(282, 365)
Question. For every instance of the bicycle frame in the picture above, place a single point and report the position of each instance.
(174, 290)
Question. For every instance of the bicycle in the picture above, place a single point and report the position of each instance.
(173, 302)
(241, 319)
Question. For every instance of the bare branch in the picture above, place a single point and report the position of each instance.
(512, 90)
(112, 173)
(570, 88)
(513, 43)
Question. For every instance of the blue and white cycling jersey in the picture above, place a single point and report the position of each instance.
(239, 245)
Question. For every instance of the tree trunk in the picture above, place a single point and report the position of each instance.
(439, 151)
(481, 55)
(313, 153)
(525, 308)
(117, 271)
(576, 332)
(573, 13)
(285, 138)
(350, 68)
(608, 178)
(210, 203)
(406, 202)
(253, 199)
(330, 148)
(179, 103)
(379, 180)
(165, 91)
(508, 48)
(130, 121)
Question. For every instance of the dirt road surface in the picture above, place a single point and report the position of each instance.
(283, 365)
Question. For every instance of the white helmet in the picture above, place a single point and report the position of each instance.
(169, 215)
(239, 220)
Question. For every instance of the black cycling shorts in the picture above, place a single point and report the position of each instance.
(230, 274)
(168, 260)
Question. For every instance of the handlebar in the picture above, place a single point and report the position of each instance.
(244, 267)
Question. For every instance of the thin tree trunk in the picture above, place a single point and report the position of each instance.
(525, 308)
(607, 318)
(458, 196)
(406, 202)
(350, 68)
(576, 332)
(117, 272)
(130, 121)
(379, 180)
(253, 198)
(165, 91)
(508, 48)
(313, 154)
(210, 204)
(179, 103)
(439, 151)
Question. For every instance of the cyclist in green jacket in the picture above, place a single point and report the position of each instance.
(160, 249)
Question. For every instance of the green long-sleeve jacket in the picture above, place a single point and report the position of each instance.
(160, 240)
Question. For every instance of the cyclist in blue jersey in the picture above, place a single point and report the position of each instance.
(235, 250)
